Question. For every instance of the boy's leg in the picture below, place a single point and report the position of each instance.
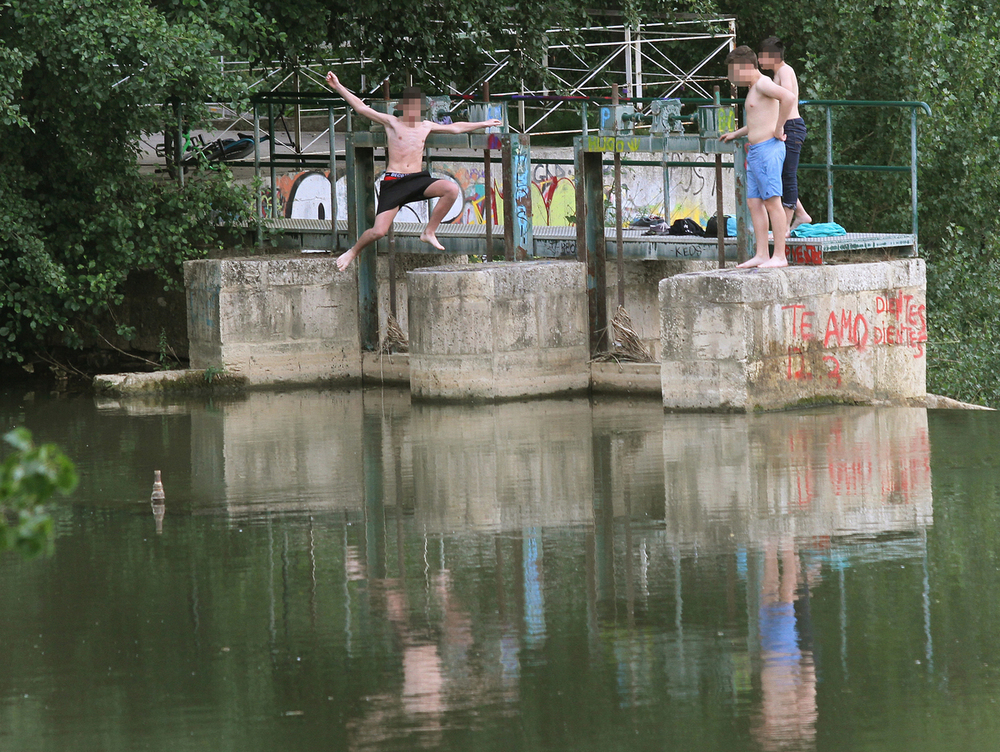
(382, 223)
(779, 227)
(801, 216)
(445, 191)
(758, 215)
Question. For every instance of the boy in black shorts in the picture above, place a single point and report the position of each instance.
(404, 181)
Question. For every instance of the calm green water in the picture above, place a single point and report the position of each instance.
(345, 570)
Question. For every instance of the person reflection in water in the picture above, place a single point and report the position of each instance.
(432, 654)
(788, 673)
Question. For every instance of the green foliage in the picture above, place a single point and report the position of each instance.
(80, 83)
(28, 478)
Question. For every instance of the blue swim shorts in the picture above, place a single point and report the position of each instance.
(764, 163)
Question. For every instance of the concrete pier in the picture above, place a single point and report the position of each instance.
(498, 331)
(274, 320)
(778, 338)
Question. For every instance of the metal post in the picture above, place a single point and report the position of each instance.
(619, 241)
(488, 185)
(333, 178)
(581, 202)
(507, 168)
(298, 112)
(597, 293)
(666, 187)
(637, 71)
(524, 241)
(913, 173)
(180, 143)
(270, 151)
(361, 216)
(258, 199)
(829, 164)
(520, 107)
(629, 78)
(744, 226)
(720, 219)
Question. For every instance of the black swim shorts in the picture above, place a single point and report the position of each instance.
(402, 188)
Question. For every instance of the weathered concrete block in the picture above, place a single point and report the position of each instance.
(274, 319)
(498, 331)
(771, 339)
(404, 262)
(642, 281)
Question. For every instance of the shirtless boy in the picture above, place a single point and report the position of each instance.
(766, 109)
(404, 181)
(772, 58)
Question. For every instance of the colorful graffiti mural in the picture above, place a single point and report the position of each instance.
(552, 190)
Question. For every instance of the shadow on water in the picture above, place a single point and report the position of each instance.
(351, 569)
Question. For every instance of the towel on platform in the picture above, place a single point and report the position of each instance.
(818, 230)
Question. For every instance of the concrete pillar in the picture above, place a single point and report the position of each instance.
(498, 331)
(778, 338)
(274, 320)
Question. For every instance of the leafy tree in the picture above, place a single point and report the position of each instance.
(80, 83)
(28, 478)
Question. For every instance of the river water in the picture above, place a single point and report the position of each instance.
(345, 570)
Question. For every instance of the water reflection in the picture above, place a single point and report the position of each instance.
(571, 571)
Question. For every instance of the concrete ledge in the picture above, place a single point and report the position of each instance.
(777, 338)
(163, 382)
(937, 402)
(386, 369)
(640, 379)
(498, 331)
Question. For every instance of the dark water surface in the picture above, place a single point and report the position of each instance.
(345, 570)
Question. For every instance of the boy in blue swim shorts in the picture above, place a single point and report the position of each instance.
(766, 109)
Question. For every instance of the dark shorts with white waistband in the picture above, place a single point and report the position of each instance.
(399, 188)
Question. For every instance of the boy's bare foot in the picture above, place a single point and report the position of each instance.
(751, 263)
(774, 263)
(344, 260)
(430, 237)
(800, 219)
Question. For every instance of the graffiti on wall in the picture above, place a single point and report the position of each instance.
(552, 192)
(897, 319)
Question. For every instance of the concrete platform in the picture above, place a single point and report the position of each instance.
(483, 332)
(274, 319)
(778, 338)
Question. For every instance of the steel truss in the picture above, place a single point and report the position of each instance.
(582, 62)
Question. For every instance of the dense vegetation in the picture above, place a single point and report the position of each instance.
(29, 476)
(81, 82)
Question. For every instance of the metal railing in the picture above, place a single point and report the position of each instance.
(829, 167)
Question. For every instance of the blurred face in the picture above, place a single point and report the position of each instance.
(411, 108)
(769, 60)
(741, 74)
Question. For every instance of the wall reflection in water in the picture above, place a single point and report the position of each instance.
(687, 548)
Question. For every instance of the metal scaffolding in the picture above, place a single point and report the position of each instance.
(581, 62)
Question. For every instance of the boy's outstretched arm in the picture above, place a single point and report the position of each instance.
(355, 102)
(465, 127)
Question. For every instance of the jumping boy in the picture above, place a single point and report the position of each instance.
(404, 181)
(772, 58)
(766, 109)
